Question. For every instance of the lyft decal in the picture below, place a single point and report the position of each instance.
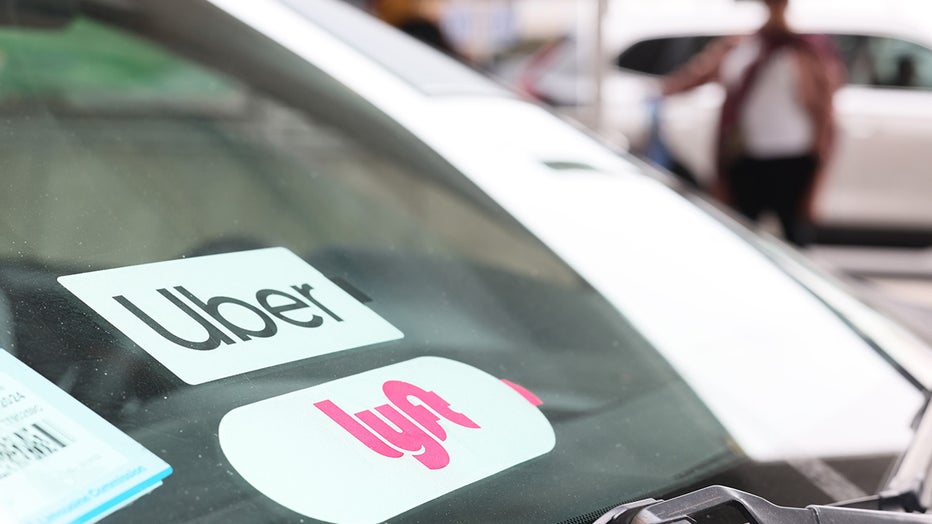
(395, 437)
(211, 317)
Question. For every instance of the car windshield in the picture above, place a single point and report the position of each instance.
(119, 152)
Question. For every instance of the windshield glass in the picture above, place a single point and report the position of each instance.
(360, 299)
(134, 156)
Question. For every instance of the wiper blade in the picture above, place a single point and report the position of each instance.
(910, 485)
(691, 507)
(909, 488)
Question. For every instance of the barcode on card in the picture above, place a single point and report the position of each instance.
(29, 445)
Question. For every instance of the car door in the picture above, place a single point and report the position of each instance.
(880, 175)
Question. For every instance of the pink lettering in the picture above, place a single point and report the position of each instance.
(356, 429)
(403, 429)
(400, 393)
(408, 436)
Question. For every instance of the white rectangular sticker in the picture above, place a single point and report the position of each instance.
(59, 461)
(368, 447)
(216, 316)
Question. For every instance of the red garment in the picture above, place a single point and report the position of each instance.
(821, 73)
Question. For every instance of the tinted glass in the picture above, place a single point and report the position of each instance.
(886, 62)
(661, 56)
(870, 60)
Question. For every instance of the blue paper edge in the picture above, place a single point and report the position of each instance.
(102, 429)
(138, 488)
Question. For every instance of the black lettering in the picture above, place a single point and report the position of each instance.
(214, 335)
(46, 433)
(212, 307)
(278, 311)
(305, 291)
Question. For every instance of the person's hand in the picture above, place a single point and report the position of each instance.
(810, 199)
(653, 103)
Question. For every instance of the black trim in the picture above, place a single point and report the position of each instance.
(873, 236)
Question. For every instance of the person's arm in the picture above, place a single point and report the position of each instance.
(821, 73)
(703, 68)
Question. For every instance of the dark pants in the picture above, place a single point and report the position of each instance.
(779, 185)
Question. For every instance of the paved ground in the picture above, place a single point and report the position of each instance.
(897, 280)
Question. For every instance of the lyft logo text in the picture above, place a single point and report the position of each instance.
(410, 409)
(216, 316)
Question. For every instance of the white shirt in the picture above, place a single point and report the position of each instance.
(774, 122)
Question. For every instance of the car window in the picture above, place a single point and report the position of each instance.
(870, 60)
(886, 62)
(177, 119)
(130, 154)
(848, 48)
(661, 56)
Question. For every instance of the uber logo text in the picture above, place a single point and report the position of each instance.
(264, 297)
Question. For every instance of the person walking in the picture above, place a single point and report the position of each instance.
(776, 129)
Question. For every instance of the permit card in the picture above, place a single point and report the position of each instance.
(60, 461)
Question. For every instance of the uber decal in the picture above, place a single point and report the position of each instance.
(216, 316)
(366, 448)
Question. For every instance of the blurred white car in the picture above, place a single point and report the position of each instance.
(879, 178)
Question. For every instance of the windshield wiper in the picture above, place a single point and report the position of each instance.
(909, 490)
(693, 506)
